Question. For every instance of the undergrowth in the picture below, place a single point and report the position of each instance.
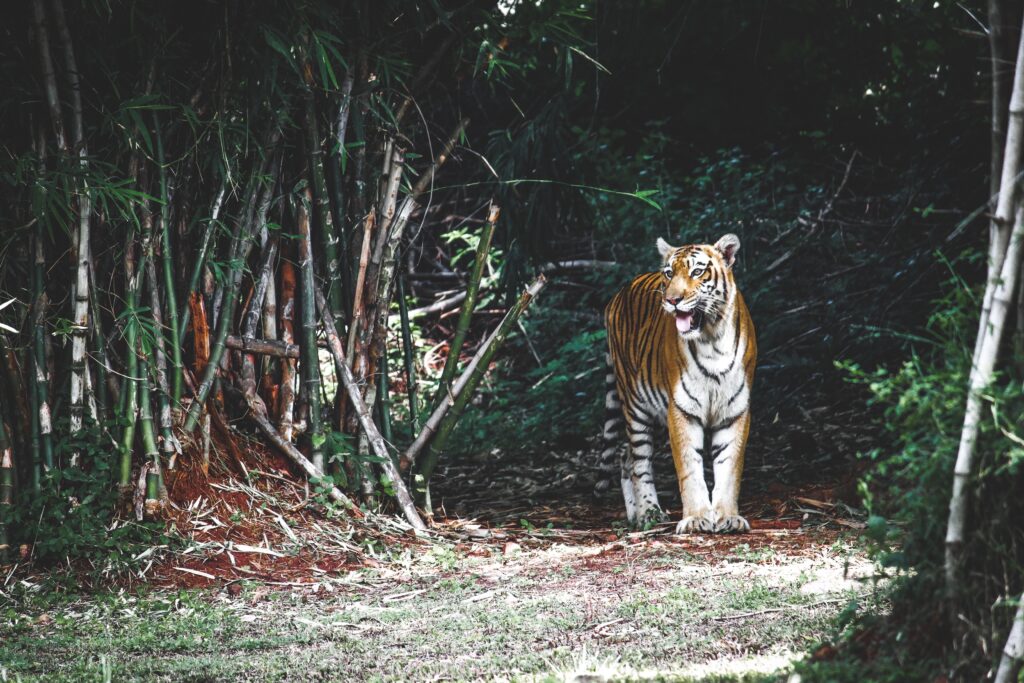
(907, 491)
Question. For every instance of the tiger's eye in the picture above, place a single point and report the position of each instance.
(667, 271)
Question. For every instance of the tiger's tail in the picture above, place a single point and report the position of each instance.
(613, 435)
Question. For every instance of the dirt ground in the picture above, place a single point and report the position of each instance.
(528, 577)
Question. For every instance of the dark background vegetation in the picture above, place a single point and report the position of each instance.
(845, 142)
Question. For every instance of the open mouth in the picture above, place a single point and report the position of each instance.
(688, 321)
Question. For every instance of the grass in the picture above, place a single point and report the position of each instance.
(644, 611)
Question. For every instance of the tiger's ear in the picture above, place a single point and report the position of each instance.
(665, 249)
(727, 246)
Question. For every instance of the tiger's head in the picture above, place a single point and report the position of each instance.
(699, 285)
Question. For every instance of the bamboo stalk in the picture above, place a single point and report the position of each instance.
(80, 311)
(469, 303)
(167, 440)
(241, 241)
(1013, 651)
(286, 395)
(357, 297)
(167, 261)
(346, 377)
(980, 377)
(42, 380)
(150, 451)
(49, 75)
(473, 376)
(201, 260)
(310, 364)
(6, 490)
(408, 356)
(1002, 221)
(129, 414)
(317, 196)
(336, 194)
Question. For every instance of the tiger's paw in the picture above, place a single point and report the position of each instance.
(649, 518)
(732, 524)
(696, 524)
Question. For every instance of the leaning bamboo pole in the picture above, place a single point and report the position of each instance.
(473, 375)
(1002, 220)
(1013, 651)
(468, 304)
(981, 376)
(346, 377)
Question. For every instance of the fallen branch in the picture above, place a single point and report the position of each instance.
(576, 264)
(373, 436)
(439, 306)
(258, 413)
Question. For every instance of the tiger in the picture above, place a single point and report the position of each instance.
(681, 354)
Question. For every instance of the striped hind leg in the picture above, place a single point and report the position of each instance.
(640, 466)
(612, 436)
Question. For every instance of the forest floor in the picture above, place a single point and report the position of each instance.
(540, 582)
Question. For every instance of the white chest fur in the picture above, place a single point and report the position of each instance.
(713, 386)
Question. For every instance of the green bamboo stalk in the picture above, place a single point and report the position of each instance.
(170, 298)
(240, 243)
(310, 362)
(99, 348)
(159, 368)
(152, 453)
(384, 400)
(197, 271)
(473, 376)
(451, 364)
(336, 193)
(408, 356)
(318, 200)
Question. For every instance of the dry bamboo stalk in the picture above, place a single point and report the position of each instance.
(405, 501)
(286, 394)
(980, 378)
(357, 298)
(1013, 651)
(1002, 221)
(427, 178)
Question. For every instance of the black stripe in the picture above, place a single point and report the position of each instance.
(736, 394)
(726, 423)
(704, 371)
(688, 415)
(686, 391)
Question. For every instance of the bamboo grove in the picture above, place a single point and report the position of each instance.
(210, 213)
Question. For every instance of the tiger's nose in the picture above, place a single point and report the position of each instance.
(673, 300)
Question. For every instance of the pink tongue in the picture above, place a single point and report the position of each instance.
(684, 321)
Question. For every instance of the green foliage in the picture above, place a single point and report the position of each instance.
(69, 517)
(907, 489)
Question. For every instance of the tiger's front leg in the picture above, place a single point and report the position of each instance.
(686, 432)
(727, 446)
